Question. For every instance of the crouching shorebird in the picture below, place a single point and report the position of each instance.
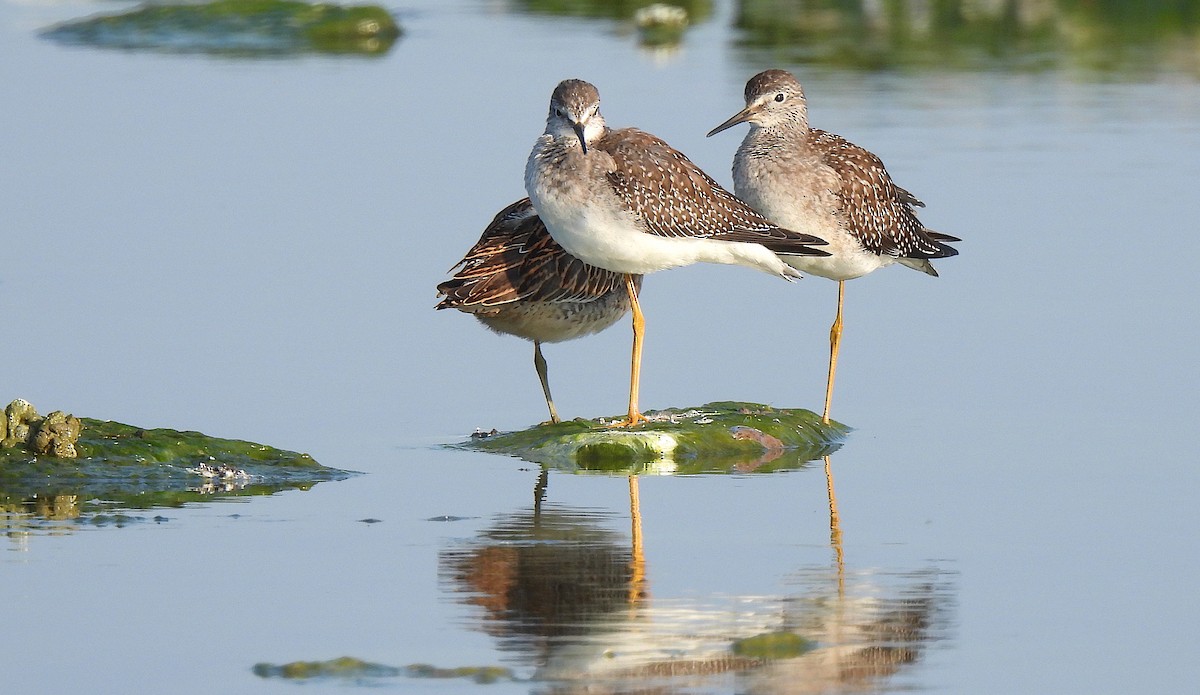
(518, 280)
(806, 178)
(625, 201)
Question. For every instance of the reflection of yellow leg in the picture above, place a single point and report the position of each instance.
(835, 529)
(539, 494)
(635, 370)
(637, 580)
(539, 363)
(835, 341)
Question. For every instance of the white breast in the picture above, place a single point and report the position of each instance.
(806, 203)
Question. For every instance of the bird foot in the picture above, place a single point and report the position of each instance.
(634, 418)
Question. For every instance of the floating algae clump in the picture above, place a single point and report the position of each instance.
(725, 436)
(237, 28)
(53, 435)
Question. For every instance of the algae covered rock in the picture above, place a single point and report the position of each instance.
(716, 437)
(107, 464)
(56, 435)
(53, 435)
(237, 28)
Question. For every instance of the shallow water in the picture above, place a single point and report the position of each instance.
(249, 248)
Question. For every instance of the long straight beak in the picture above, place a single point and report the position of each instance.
(739, 117)
(578, 128)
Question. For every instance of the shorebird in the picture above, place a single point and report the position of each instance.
(805, 178)
(517, 280)
(625, 201)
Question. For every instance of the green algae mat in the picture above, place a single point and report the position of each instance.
(118, 466)
(719, 437)
(237, 28)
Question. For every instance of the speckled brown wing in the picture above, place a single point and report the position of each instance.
(879, 212)
(515, 260)
(938, 236)
(909, 198)
(675, 198)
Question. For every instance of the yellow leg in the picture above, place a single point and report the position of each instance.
(539, 363)
(635, 371)
(835, 341)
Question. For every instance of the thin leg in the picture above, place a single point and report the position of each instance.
(539, 363)
(835, 341)
(635, 371)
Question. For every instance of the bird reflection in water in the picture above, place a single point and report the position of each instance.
(568, 597)
(546, 574)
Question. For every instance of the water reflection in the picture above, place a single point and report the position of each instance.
(544, 574)
(58, 508)
(22, 518)
(974, 34)
(237, 28)
(697, 10)
(659, 26)
(868, 624)
(570, 599)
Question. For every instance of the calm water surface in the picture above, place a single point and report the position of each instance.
(249, 248)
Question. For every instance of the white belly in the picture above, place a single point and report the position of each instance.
(592, 225)
(847, 260)
(607, 239)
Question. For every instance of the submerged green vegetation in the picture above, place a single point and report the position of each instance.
(717, 437)
(342, 667)
(350, 668)
(238, 28)
(773, 645)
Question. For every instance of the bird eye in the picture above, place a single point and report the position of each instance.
(779, 96)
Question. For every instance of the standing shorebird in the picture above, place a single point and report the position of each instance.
(625, 201)
(517, 280)
(806, 178)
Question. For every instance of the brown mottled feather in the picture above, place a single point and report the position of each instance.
(675, 198)
(516, 260)
(879, 213)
